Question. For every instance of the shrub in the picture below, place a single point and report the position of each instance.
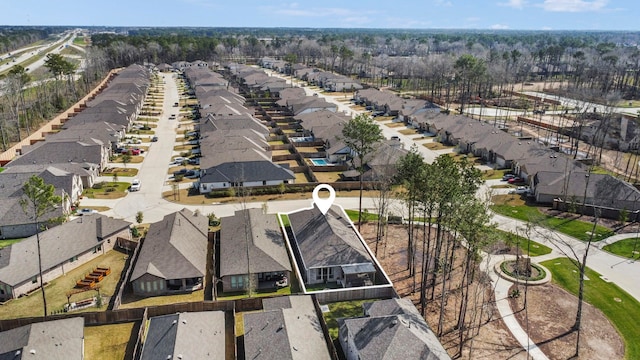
(98, 185)
(110, 189)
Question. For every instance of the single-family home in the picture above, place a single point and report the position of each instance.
(328, 248)
(288, 328)
(391, 329)
(252, 252)
(245, 174)
(187, 335)
(56, 339)
(62, 248)
(14, 222)
(173, 256)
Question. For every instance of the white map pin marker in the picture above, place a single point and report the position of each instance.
(324, 204)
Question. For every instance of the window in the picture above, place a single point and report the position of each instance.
(34, 280)
(237, 282)
(75, 258)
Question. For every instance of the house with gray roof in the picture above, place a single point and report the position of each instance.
(328, 248)
(187, 335)
(63, 248)
(55, 152)
(391, 329)
(245, 174)
(56, 339)
(288, 329)
(173, 255)
(14, 223)
(598, 190)
(252, 251)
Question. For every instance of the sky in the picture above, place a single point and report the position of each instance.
(412, 14)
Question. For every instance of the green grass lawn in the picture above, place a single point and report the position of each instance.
(106, 342)
(535, 248)
(345, 309)
(119, 191)
(121, 172)
(56, 291)
(5, 243)
(572, 227)
(623, 248)
(619, 307)
(259, 293)
(494, 174)
(366, 216)
(130, 301)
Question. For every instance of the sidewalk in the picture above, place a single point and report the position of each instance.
(501, 293)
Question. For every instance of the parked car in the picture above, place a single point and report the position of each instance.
(194, 161)
(135, 151)
(396, 138)
(172, 117)
(178, 160)
(516, 180)
(182, 172)
(506, 177)
(192, 174)
(85, 212)
(135, 185)
(154, 139)
(520, 190)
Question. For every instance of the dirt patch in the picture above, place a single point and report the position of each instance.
(490, 338)
(551, 312)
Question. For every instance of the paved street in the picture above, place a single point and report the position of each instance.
(153, 174)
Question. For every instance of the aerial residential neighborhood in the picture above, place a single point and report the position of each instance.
(319, 193)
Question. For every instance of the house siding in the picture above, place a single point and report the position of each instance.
(207, 187)
(57, 271)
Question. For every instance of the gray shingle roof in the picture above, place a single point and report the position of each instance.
(393, 330)
(192, 335)
(327, 240)
(57, 244)
(287, 333)
(251, 242)
(58, 339)
(175, 247)
(246, 171)
(46, 152)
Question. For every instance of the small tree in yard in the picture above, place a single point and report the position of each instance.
(361, 135)
(39, 199)
(139, 217)
(126, 158)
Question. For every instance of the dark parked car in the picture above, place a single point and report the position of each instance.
(507, 177)
(180, 172)
(154, 139)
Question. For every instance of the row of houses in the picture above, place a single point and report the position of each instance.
(72, 157)
(233, 143)
(286, 328)
(326, 80)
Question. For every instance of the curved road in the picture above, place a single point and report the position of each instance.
(153, 174)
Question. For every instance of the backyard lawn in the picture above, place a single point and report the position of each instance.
(106, 342)
(56, 291)
(132, 301)
(618, 306)
(345, 309)
(628, 248)
(5, 243)
(513, 206)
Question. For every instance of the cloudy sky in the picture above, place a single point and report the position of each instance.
(417, 14)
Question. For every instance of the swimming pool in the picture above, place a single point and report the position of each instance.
(320, 162)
